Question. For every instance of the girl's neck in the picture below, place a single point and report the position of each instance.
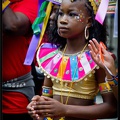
(74, 46)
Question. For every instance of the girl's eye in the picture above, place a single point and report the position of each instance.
(73, 14)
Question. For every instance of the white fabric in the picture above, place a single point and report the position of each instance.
(85, 64)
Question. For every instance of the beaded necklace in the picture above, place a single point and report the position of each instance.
(61, 81)
(71, 84)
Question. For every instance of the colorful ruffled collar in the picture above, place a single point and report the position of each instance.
(50, 57)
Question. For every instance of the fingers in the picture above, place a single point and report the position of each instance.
(32, 105)
(96, 43)
(90, 47)
(93, 54)
(36, 117)
(33, 114)
(41, 113)
(43, 103)
(94, 46)
(47, 98)
(29, 107)
(43, 108)
(95, 49)
(36, 98)
(31, 110)
(48, 115)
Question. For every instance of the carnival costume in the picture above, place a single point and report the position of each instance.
(85, 86)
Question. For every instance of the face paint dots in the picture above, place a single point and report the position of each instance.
(80, 17)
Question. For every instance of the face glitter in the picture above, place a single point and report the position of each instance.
(80, 17)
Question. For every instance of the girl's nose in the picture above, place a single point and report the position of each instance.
(64, 20)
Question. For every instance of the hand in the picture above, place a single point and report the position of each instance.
(36, 98)
(108, 59)
(31, 111)
(50, 108)
(31, 105)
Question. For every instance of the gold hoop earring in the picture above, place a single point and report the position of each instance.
(86, 33)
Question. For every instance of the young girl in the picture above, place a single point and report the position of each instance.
(73, 79)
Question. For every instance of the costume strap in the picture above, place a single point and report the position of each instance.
(39, 23)
(5, 4)
(39, 27)
(47, 91)
(49, 7)
(104, 88)
(57, 2)
(100, 9)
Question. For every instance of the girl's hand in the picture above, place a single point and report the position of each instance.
(50, 108)
(108, 59)
(31, 110)
(94, 50)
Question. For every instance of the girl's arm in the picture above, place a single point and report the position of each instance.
(107, 109)
(108, 61)
(52, 108)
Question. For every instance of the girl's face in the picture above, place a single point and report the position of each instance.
(72, 18)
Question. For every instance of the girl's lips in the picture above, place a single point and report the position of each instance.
(63, 29)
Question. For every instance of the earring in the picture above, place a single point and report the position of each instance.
(58, 32)
(86, 33)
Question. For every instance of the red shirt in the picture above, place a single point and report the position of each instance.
(13, 56)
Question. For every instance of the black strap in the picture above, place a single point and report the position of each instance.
(38, 79)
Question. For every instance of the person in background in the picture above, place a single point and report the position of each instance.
(111, 73)
(17, 81)
(50, 25)
(72, 78)
(38, 76)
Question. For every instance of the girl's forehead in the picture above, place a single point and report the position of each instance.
(76, 5)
